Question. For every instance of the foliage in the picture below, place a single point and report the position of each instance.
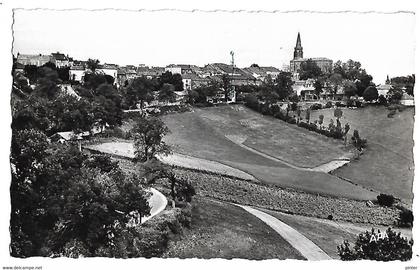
(309, 70)
(385, 200)
(316, 106)
(92, 64)
(173, 79)
(369, 246)
(382, 100)
(148, 138)
(328, 105)
(140, 90)
(395, 94)
(405, 81)
(101, 161)
(318, 87)
(166, 93)
(406, 218)
(180, 188)
(283, 85)
(370, 94)
(58, 202)
(357, 141)
(349, 89)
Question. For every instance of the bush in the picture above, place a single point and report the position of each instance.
(339, 104)
(358, 142)
(328, 105)
(316, 106)
(382, 100)
(389, 246)
(391, 114)
(406, 218)
(251, 101)
(291, 120)
(385, 200)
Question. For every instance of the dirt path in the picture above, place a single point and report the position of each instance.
(126, 149)
(326, 168)
(302, 244)
(157, 204)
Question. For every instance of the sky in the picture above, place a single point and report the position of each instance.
(383, 43)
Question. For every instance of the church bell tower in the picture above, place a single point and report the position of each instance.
(298, 54)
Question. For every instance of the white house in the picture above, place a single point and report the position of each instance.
(77, 73)
(407, 100)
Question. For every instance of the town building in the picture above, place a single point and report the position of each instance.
(77, 73)
(323, 63)
(262, 73)
(33, 59)
(60, 60)
(181, 69)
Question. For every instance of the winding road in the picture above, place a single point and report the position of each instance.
(306, 247)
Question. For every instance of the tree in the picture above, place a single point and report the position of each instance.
(169, 78)
(148, 138)
(349, 89)
(370, 94)
(267, 94)
(405, 81)
(362, 82)
(318, 87)
(92, 64)
(226, 86)
(47, 83)
(386, 246)
(308, 115)
(140, 90)
(283, 85)
(335, 80)
(321, 119)
(31, 72)
(395, 94)
(179, 187)
(309, 70)
(338, 113)
(166, 93)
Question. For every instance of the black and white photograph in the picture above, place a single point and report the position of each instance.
(190, 133)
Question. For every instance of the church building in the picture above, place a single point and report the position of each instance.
(323, 63)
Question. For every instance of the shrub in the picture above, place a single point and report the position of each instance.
(316, 106)
(382, 100)
(391, 113)
(385, 200)
(265, 108)
(358, 142)
(291, 120)
(390, 246)
(251, 101)
(406, 218)
(328, 105)
(294, 106)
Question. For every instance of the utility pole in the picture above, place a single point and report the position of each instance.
(232, 54)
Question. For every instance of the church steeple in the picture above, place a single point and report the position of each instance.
(298, 49)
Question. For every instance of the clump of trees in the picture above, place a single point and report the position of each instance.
(148, 135)
(385, 200)
(385, 246)
(62, 198)
(50, 110)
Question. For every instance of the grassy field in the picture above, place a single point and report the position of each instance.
(232, 234)
(387, 164)
(266, 134)
(328, 234)
(202, 134)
